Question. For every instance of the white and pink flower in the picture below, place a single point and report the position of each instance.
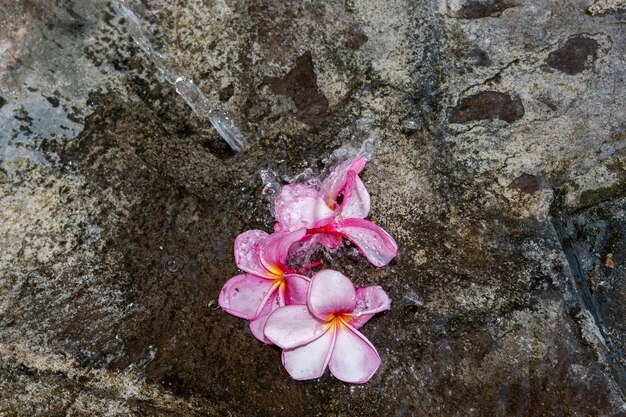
(268, 283)
(337, 210)
(323, 333)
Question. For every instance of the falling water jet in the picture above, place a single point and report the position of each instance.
(224, 121)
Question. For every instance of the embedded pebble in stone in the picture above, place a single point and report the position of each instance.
(488, 105)
(300, 84)
(479, 57)
(574, 56)
(526, 182)
(476, 9)
(356, 40)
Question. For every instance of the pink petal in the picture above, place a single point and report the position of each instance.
(293, 326)
(244, 295)
(330, 292)
(309, 361)
(369, 301)
(276, 248)
(335, 181)
(378, 247)
(356, 199)
(298, 206)
(296, 289)
(257, 325)
(247, 252)
(358, 164)
(354, 358)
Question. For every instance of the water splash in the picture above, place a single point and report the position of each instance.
(224, 121)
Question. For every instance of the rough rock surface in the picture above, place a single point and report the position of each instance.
(500, 133)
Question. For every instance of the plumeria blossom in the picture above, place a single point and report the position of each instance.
(315, 321)
(268, 283)
(337, 210)
(323, 333)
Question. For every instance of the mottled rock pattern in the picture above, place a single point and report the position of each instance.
(600, 7)
(500, 167)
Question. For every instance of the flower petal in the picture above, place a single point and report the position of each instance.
(330, 292)
(335, 181)
(369, 301)
(257, 325)
(378, 247)
(356, 199)
(293, 326)
(244, 295)
(296, 289)
(247, 249)
(298, 206)
(354, 358)
(275, 249)
(309, 361)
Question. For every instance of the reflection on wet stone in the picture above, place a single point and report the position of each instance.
(172, 264)
(591, 237)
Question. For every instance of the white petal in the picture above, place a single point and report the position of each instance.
(331, 292)
(309, 361)
(354, 358)
(293, 326)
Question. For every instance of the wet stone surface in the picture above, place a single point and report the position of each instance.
(594, 240)
(500, 168)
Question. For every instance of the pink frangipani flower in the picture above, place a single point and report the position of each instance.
(268, 283)
(337, 210)
(324, 332)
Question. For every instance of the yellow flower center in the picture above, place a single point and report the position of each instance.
(339, 320)
(275, 271)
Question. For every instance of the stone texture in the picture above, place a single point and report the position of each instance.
(600, 7)
(500, 168)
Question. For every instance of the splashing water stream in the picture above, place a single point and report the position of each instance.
(223, 120)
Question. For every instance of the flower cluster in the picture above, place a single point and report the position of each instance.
(315, 320)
